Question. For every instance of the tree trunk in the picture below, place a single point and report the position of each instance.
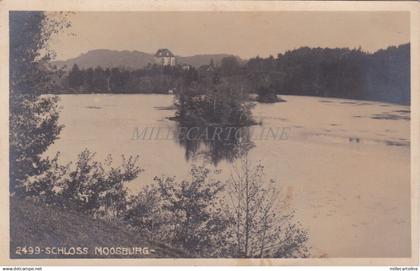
(247, 199)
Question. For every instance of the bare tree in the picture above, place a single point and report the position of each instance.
(261, 222)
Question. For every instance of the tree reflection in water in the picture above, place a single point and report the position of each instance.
(214, 143)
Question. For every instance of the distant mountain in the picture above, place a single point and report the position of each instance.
(131, 59)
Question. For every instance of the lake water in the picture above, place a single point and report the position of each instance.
(344, 165)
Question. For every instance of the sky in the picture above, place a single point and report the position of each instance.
(245, 34)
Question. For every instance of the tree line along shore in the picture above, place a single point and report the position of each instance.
(340, 73)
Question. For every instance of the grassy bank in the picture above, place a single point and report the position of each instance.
(50, 232)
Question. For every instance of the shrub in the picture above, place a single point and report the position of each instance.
(89, 186)
(267, 95)
(185, 215)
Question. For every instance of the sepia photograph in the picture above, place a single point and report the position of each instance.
(210, 134)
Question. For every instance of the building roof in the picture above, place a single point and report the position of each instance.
(164, 53)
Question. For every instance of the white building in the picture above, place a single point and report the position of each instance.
(164, 57)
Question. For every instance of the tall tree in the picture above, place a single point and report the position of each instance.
(88, 75)
(229, 65)
(76, 79)
(33, 118)
(100, 79)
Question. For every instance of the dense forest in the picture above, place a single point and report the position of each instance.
(341, 72)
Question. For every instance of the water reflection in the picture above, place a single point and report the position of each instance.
(214, 143)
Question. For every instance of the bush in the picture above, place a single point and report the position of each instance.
(184, 215)
(89, 186)
(267, 95)
(145, 214)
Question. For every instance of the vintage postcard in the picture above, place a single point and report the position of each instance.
(209, 133)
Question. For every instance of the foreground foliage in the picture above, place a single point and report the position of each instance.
(246, 218)
(89, 186)
(242, 217)
(33, 118)
(261, 219)
(184, 215)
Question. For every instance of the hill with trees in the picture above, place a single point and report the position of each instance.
(130, 59)
(341, 73)
(323, 72)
